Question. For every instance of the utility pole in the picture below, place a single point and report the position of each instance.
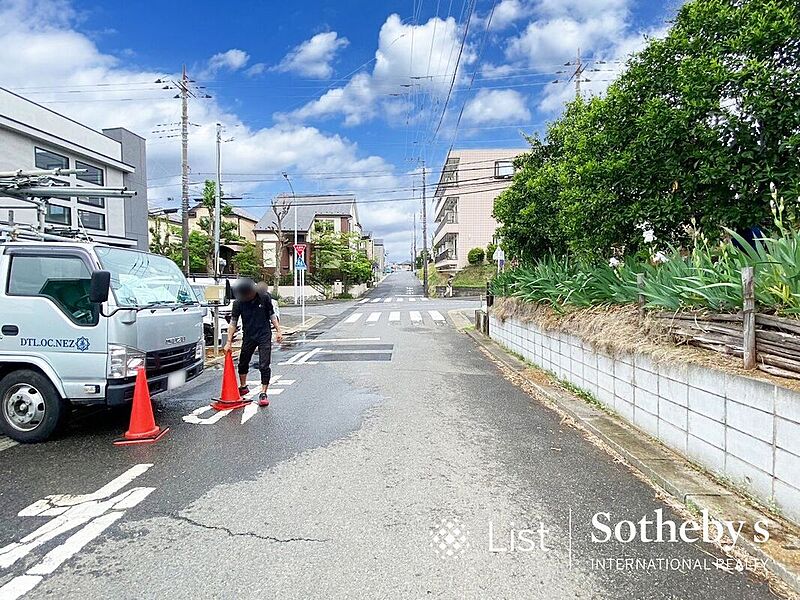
(424, 235)
(184, 93)
(579, 69)
(414, 245)
(218, 204)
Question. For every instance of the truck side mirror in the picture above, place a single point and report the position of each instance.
(99, 287)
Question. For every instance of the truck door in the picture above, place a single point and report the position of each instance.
(49, 312)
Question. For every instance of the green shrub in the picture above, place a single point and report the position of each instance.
(709, 277)
(490, 250)
(475, 256)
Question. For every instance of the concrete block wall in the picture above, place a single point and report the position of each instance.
(747, 430)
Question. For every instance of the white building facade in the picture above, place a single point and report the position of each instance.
(470, 182)
(35, 137)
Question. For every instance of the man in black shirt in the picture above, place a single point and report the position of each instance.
(258, 316)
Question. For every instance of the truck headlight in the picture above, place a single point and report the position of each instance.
(199, 349)
(124, 361)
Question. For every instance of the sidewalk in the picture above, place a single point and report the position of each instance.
(690, 488)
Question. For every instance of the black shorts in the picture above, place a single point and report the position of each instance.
(264, 346)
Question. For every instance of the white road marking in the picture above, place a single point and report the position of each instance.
(334, 340)
(308, 355)
(412, 299)
(394, 316)
(364, 301)
(436, 316)
(19, 586)
(106, 491)
(354, 317)
(194, 419)
(399, 299)
(373, 317)
(74, 543)
(91, 515)
(376, 300)
(6, 443)
(416, 317)
(294, 359)
(248, 412)
(387, 301)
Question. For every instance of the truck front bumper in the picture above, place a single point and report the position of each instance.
(122, 392)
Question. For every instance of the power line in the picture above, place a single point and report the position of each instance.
(455, 69)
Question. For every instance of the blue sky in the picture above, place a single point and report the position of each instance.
(343, 96)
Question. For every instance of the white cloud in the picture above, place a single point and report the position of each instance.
(496, 106)
(544, 45)
(424, 56)
(28, 44)
(313, 57)
(230, 60)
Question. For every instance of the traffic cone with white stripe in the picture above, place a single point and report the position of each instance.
(230, 398)
(143, 428)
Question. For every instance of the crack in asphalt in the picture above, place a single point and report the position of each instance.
(231, 533)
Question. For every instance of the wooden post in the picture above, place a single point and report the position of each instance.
(640, 285)
(748, 318)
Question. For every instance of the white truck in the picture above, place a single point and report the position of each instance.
(77, 320)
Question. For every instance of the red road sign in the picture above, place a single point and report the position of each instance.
(300, 249)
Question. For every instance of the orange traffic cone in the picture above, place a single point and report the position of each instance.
(230, 398)
(143, 428)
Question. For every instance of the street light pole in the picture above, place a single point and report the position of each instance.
(424, 235)
(218, 204)
(294, 202)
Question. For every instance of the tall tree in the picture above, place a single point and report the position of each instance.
(228, 229)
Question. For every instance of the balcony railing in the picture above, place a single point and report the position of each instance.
(450, 218)
(446, 254)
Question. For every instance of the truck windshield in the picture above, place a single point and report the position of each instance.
(142, 279)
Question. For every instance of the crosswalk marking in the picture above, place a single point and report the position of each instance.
(412, 299)
(399, 299)
(387, 300)
(364, 301)
(376, 300)
(436, 315)
(375, 317)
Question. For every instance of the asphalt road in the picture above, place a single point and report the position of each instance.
(390, 431)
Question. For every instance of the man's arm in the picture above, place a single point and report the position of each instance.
(277, 325)
(233, 326)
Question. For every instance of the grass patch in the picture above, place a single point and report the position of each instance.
(475, 276)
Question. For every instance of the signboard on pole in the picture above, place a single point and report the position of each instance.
(300, 264)
(299, 249)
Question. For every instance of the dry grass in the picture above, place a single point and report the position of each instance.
(617, 330)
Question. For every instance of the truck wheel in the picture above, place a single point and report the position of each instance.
(31, 409)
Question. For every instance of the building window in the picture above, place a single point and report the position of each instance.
(60, 215)
(92, 220)
(98, 202)
(93, 174)
(49, 160)
(503, 169)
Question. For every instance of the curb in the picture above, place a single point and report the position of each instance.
(660, 465)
